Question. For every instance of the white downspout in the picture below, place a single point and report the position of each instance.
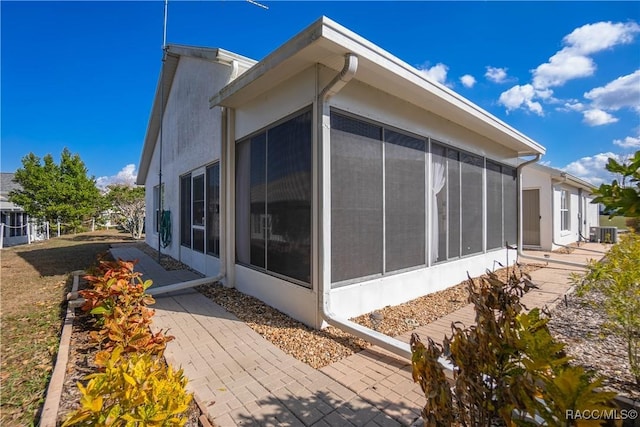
(520, 252)
(186, 285)
(393, 345)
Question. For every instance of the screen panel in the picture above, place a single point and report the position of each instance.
(404, 201)
(356, 199)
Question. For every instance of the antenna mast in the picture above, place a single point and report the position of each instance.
(160, 214)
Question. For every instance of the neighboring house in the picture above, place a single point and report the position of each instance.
(15, 220)
(556, 208)
(329, 177)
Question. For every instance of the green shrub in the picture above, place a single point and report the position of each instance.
(617, 278)
(506, 366)
(133, 390)
(633, 224)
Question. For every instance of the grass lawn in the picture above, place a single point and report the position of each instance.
(616, 221)
(34, 280)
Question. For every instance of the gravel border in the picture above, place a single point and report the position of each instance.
(580, 323)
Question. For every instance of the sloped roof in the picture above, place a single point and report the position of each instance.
(7, 184)
(169, 66)
(326, 42)
(561, 176)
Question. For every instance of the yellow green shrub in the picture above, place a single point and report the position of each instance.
(133, 390)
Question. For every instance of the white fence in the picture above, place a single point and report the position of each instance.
(26, 233)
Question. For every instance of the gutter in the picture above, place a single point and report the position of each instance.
(393, 345)
(520, 252)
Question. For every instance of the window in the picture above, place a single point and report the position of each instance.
(502, 207)
(564, 211)
(377, 199)
(457, 188)
(455, 202)
(198, 213)
(273, 199)
(471, 193)
(404, 169)
(356, 199)
(185, 210)
(198, 200)
(213, 209)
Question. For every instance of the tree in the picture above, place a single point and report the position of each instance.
(129, 207)
(51, 191)
(622, 199)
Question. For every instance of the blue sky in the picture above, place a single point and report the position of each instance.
(82, 75)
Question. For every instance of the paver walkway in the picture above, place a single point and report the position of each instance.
(242, 379)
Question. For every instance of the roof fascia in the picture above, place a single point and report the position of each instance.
(562, 177)
(345, 40)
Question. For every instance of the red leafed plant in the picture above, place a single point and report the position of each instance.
(117, 297)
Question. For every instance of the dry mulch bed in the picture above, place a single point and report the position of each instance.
(579, 324)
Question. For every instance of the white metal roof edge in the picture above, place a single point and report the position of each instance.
(330, 30)
(561, 176)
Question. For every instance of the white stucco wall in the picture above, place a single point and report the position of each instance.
(551, 234)
(191, 140)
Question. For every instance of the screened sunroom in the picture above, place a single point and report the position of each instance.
(353, 182)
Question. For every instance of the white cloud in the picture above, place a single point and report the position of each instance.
(127, 176)
(592, 169)
(521, 96)
(572, 106)
(628, 142)
(437, 73)
(592, 38)
(468, 80)
(562, 66)
(573, 60)
(597, 117)
(621, 92)
(496, 75)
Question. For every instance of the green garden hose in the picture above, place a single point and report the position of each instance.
(165, 228)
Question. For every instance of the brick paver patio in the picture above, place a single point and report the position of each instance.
(240, 378)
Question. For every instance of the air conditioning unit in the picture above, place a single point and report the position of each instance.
(603, 234)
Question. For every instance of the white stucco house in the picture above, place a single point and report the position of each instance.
(556, 208)
(329, 177)
(13, 219)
